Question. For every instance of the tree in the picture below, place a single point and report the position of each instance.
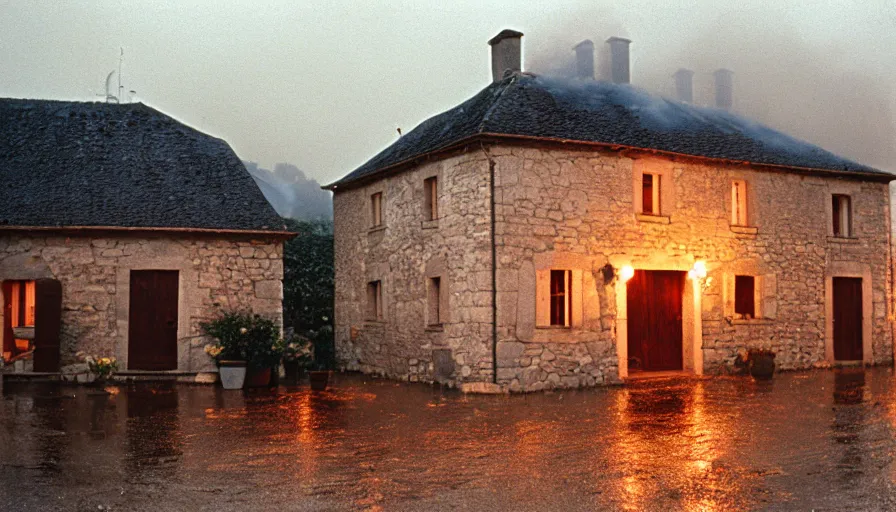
(308, 285)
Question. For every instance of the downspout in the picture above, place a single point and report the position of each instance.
(491, 188)
(891, 254)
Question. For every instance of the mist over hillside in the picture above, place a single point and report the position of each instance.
(291, 193)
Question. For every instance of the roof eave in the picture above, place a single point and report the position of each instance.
(381, 172)
(274, 234)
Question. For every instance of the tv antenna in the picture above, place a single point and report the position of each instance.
(116, 98)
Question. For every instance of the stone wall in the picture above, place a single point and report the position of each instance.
(403, 255)
(576, 210)
(214, 274)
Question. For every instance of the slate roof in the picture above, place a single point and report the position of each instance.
(74, 164)
(601, 112)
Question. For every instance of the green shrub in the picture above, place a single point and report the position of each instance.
(308, 286)
(246, 337)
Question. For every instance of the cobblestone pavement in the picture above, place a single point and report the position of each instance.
(819, 440)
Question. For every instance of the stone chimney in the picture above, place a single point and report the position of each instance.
(724, 88)
(506, 53)
(619, 66)
(684, 85)
(585, 59)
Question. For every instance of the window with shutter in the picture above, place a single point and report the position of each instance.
(744, 296)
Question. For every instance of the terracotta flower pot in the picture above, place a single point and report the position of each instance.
(258, 377)
(232, 373)
(319, 380)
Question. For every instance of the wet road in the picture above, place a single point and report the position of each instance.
(817, 440)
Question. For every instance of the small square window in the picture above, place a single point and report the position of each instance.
(376, 209)
(745, 296)
(431, 199)
(841, 210)
(375, 300)
(739, 203)
(433, 300)
(650, 194)
(561, 297)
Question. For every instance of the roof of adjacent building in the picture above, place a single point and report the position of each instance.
(76, 164)
(614, 115)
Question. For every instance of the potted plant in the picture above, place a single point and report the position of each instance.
(101, 368)
(761, 363)
(297, 355)
(246, 348)
(231, 371)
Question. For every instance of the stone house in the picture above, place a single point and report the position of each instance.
(121, 229)
(558, 233)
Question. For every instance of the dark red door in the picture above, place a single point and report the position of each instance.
(848, 318)
(152, 324)
(654, 320)
(47, 324)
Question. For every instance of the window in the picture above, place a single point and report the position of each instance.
(650, 194)
(376, 209)
(375, 300)
(841, 215)
(433, 300)
(431, 199)
(19, 300)
(561, 297)
(739, 203)
(745, 296)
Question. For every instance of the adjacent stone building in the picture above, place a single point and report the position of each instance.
(133, 228)
(553, 233)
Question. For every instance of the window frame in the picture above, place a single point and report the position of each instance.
(434, 301)
(374, 311)
(740, 203)
(656, 187)
(431, 198)
(560, 314)
(376, 210)
(745, 296)
(841, 218)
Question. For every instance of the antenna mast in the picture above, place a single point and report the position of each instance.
(120, 58)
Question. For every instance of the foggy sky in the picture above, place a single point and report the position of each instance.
(323, 85)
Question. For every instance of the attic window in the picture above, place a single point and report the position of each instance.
(650, 194)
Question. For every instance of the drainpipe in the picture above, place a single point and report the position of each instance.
(491, 188)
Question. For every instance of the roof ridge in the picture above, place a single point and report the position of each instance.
(488, 113)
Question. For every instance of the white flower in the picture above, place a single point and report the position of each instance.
(243, 330)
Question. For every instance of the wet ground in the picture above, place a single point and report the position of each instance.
(819, 440)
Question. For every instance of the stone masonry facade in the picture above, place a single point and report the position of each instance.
(577, 210)
(215, 273)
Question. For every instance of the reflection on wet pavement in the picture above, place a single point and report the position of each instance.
(822, 440)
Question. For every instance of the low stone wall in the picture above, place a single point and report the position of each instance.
(215, 273)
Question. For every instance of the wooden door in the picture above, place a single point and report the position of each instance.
(655, 300)
(152, 324)
(848, 318)
(47, 324)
